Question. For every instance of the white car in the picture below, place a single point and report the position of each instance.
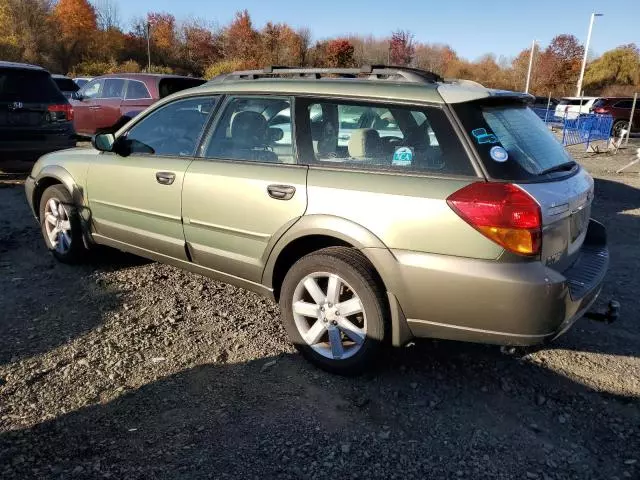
(573, 107)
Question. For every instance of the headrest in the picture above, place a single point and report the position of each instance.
(248, 127)
(365, 143)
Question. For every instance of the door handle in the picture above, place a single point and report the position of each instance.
(165, 178)
(281, 192)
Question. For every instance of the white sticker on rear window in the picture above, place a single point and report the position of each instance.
(499, 154)
(402, 157)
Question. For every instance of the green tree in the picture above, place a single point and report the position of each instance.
(620, 66)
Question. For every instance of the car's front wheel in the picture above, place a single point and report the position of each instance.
(60, 225)
(334, 309)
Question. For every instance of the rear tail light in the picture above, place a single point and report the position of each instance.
(503, 213)
(60, 113)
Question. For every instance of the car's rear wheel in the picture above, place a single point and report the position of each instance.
(334, 310)
(618, 126)
(60, 225)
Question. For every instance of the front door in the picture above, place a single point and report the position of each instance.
(245, 190)
(106, 110)
(135, 200)
(84, 107)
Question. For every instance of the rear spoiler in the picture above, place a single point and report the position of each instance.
(469, 91)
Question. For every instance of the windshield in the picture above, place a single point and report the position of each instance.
(512, 141)
(27, 86)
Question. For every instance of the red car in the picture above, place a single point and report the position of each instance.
(620, 109)
(108, 102)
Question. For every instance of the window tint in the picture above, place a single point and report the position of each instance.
(91, 89)
(137, 90)
(27, 86)
(624, 104)
(254, 129)
(173, 129)
(364, 135)
(512, 141)
(66, 84)
(171, 85)
(113, 88)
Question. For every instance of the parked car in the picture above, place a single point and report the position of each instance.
(66, 85)
(108, 102)
(35, 117)
(572, 107)
(82, 81)
(544, 102)
(620, 109)
(482, 237)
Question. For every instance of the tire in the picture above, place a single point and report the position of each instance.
(72, 249)
(359, 347)
(617, 128)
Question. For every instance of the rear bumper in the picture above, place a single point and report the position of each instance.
(493, 302)
(36, 141)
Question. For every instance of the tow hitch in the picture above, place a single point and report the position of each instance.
(610, 316)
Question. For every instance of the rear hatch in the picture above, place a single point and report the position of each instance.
(30, 104)
(515, 146)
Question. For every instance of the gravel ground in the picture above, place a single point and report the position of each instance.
(124, 368)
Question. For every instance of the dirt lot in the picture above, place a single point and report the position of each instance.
(128, 369)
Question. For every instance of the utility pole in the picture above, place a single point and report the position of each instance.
(533, 50)
(149, 45)
(586, 52)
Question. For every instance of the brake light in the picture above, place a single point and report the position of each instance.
(61, 113)
(503, 213)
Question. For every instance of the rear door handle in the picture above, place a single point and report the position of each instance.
(165, 178)
(281, 192)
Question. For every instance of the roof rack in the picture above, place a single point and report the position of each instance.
(369, 72)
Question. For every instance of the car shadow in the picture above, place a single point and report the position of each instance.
(431, 412)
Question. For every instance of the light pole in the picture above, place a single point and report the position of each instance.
(149, 45)
(533, 50)
(586, 52)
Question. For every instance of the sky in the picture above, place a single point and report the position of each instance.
(471, 27)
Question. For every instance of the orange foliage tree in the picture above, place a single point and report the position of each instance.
(75, 22)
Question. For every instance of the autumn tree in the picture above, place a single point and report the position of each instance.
(401, 48)
(436, 58)
(75, 22)
(336, 53)
(559, 65)
(620, 67)
(201, 46)
(241, 40)
(25, 32)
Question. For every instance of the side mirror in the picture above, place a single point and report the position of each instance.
(103, 142)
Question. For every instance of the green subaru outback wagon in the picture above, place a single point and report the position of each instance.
(375, 205)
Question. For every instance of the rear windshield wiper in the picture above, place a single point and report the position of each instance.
(562, 167)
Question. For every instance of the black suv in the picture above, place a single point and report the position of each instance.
(35, 117)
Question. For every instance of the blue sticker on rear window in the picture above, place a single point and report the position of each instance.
(402, 157)
(481, 136)
(499, 154)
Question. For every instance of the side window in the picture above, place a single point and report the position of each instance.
(372, 136)
(91, 89)
(253, 129)
(624, 104)
(173, 129)
(137, 91)
(113, 88)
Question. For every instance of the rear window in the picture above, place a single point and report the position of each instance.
(28, 86)
(66, 85)
(172, 85)
(512, 141)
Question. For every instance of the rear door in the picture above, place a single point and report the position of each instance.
(539, 164)
(136, 99)
(245, 189)
(25, 97)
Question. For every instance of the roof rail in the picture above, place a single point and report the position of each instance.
(369, 72)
